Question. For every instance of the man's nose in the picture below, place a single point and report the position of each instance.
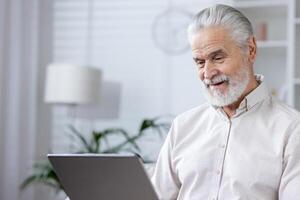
(209, 70)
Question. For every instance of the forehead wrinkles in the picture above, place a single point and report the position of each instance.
(206, 50)
(210, 39)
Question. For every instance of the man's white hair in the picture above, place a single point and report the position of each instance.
(238, 25)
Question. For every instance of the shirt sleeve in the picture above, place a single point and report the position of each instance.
(290, 181)
(164, 178)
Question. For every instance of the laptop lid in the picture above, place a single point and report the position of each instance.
(102, 176)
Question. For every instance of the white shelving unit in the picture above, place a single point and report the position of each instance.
(258, 3)
(297, 21)
(272, 44)
(277, 57)
(297, 81)
(296, 58)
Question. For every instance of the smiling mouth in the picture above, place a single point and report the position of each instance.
(219, 83)
(216, 84)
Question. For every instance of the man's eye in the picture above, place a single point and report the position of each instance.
(200, 63)
(218, 58)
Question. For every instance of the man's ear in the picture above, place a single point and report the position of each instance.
(252, 49)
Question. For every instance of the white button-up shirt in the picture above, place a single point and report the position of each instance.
(253, 155)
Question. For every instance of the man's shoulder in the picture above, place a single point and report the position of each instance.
(286, 111)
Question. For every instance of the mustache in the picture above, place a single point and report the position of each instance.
(216, 79)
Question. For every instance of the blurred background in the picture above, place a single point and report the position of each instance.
(97, 64)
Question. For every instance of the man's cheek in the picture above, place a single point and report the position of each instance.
(201, 75)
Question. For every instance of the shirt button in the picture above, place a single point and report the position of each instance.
(218, 172)
(222, 146)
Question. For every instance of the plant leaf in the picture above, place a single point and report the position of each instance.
(86, 145)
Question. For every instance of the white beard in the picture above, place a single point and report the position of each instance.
(236, 86)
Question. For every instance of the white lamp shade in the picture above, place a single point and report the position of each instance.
(71, 84)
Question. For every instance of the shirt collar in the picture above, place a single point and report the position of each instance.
(257, 95)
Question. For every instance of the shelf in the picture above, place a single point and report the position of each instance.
(264, 3)
(297, 81)
(272, 44)
(297, 8)
(263, 11)
(297, 21)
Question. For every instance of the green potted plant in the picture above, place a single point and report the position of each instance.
(98, 142)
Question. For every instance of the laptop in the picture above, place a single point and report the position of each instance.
(102, 177)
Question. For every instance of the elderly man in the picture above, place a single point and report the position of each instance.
(243, 143)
